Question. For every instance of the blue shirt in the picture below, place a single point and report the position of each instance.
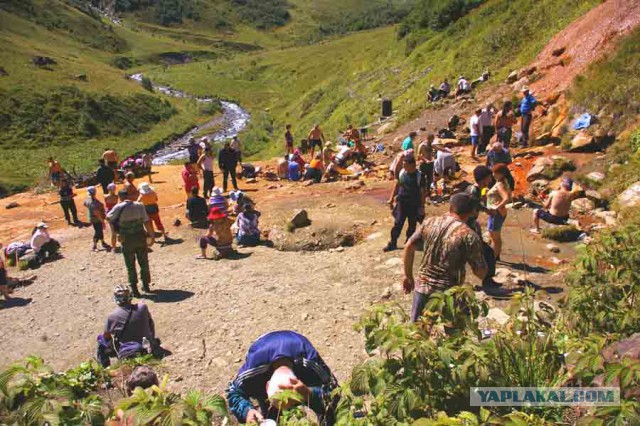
(528, 104)
(252, 378)
(407, 144)
(294, 170)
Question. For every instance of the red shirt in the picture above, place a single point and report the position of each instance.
(190, 179)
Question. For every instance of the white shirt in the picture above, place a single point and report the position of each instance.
(39, 238)
(474, 123)
(463, 84)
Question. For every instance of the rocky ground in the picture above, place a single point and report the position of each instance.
(208, 312)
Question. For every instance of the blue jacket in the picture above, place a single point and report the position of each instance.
(251, 381)
(528, 104)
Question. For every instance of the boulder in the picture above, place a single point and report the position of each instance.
(595, 196)
(11, 205)
(583, 142)
(559, 51)
(596, 176)
(498, 316)
(300, 219)
(512, 77)
(630, 197)
(539, 168)
(582, 205)
(553, 248)
(524, 72)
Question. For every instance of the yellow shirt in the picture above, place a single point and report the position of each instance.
(148, 199)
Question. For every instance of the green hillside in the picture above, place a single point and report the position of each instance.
(342, 80)
(319, 63)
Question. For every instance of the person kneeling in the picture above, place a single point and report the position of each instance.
(556, 208)
(315, 169)
(129, 331)
(277, 361)
(220, 225)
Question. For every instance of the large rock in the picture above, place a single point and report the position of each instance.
(300, 219)
(595, 196)
(583, 142)
(630, 197)
(498, 316)
(512, 77)
(583, 205)
(539, 167)
(596, 176)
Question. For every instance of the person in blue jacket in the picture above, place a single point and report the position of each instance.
(282, 360)
(527, 106)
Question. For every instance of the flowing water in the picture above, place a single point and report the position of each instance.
(233, 120)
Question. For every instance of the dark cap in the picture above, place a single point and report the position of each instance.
(461, 204)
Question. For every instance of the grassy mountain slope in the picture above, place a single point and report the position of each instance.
(341, 80)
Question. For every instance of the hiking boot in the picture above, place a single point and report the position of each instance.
(389, 247)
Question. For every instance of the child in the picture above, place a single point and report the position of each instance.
(247, 224)
(220, 225)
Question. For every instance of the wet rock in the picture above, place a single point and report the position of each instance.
(300, 219)
(498, 316)
(583, 142)
(12, 205)
(583, 205)
(630, 197)
(596, 176)
(539, 167)
(553, 248)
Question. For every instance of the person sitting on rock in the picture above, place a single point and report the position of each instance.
(220, 226)
(42, 244)
(129, 331)
(556, 209)
(315, 169)
(282, 360)
(247, 224)
(462, 87)
(434, 94)
(445, 89)
(197, 209)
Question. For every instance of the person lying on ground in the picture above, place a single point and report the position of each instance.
(7, 282)
(42, 244)
(67, 203)
(282, 360)
(220, 226)
(96, 214)
(556, 209)
(197, 209)
(448, 244)
(248, 228)
(129, 330)
(315, 169)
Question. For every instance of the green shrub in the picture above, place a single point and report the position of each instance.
(605, 284)
(67, 115)
(263, 14)
(436, 14)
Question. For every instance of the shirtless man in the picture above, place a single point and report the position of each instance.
(220, 226)
(556, 208)
(316, 139)
(111, 158)
(425, 155)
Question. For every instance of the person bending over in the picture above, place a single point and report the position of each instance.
(556, 209)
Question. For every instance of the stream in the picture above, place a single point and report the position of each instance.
(233, 120)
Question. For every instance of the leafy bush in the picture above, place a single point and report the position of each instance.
(436, 14)
(370, 16)
(67, 115)
(146, 83)
(263, 14)
(605, 285)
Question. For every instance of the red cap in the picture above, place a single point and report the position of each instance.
(215, 213)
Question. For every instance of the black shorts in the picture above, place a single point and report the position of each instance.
(315, 142)
(550, 218)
